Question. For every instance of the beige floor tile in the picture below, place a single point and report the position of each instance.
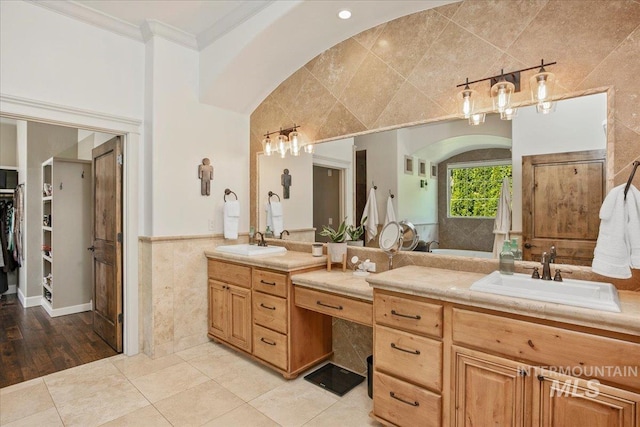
(250, 380)
(198, 405)
(141, 364)
(21, 401)
(202, 350)
(243, 416)
(47, 418)
(294, 403)
(169, 381)
(20, 386)
(76, 386)
(215, 365)
(352, 409)
(102, 406)
(144, 417)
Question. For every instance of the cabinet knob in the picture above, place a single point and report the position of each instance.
(91, 248)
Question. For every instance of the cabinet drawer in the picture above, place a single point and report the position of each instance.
(409, 356)
(270, 312)
(270, 283)
(408, 313)
(404, 404)
(230, 273)
(547, 345)
(270, 346)
(334, 305)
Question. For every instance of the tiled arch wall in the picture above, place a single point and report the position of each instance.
(405, 71)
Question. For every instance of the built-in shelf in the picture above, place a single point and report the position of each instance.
(47, 198)
(47, 287)
(6, 191)
(47, 258)
(45, 228)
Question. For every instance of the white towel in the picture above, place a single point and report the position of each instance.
(633, 226)
(502, 225)
(275, 217)
(612, 255)
(371, 212)
(390, 216)
(231, 219)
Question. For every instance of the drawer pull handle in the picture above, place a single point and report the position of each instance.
(267, 341)
(336, 307)
(395, 347)
(408, 316)
(267, 283)
(392, 394)
(267, 307)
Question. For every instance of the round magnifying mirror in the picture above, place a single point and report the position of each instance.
(409, 236)
(390, 236)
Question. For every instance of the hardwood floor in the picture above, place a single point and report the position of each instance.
(32, 344)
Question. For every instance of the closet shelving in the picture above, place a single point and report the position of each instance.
(66, 228)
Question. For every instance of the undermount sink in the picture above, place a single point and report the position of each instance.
(251, 250)
(579, 293)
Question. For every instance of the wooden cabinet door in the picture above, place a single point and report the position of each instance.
(489, 391)
(565, 401)
(239, 312)
(561, 198)
(218, 309)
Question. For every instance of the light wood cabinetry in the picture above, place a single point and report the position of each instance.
(476, 367)
(252, 309)
(335, 305)
(66, 232)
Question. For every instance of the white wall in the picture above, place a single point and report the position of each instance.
(8, 143)
(576, 125)
(53, 58)
(298, 209)
(21, 137)
(183, 132)
(382, 166)
(88, 140)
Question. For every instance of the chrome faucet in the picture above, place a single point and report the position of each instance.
(282, 233)
(546, 270)
(431, 243)
(261, 242)
(552, 255)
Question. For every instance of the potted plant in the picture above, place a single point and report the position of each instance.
(355, 233)
(337, 247)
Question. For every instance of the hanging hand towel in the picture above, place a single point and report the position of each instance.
(277, 218)
(231, 219)
(502, 224)
(371, 212)
(390, 215)
(611, 256)
(633, 226)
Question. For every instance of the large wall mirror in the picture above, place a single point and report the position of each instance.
(416, 165)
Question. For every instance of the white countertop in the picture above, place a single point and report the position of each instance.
(453, 286)
(338, 282)
(287, 261)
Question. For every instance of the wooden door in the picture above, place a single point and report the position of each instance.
(561, 198)
(239, 312)
(218, 309)
(564, 401)
(107, 242)
(489, 391)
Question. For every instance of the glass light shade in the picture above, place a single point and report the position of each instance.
(509, 113)
(501, 95)
(267, 146)
(542, 86)
(467, 97)
(308, 148)
(282, 145)
(294, 142)
(477, 119)
(547, 107)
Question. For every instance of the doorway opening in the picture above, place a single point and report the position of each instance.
(327, 199)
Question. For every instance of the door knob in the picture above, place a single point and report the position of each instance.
(91, 248)
(528, 245)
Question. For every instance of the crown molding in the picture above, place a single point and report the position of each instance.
(92, 17)
(153, 28)
(228, 22)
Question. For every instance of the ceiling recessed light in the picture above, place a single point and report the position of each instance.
(344, 14)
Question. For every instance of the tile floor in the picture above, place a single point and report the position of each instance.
(207, 385)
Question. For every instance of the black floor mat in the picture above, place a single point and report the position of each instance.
(335, 379)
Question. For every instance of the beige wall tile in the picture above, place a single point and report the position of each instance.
(368, 37)
(310, 108)
(340, 121)
(402, 109)
(449, 10)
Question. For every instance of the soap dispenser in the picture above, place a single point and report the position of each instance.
(507, 265)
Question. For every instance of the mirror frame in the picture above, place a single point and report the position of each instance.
(610, 138)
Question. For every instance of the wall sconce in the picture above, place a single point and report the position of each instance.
(477, 119)
(287, 140)
(503, 86)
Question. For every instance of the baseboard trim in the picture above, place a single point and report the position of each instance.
(28, 301)
(73, 309)
(12, 290)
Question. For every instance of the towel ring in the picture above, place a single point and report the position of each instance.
(271, 194)
(391, 194)
(227, 192)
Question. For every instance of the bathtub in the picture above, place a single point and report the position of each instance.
(462, 252)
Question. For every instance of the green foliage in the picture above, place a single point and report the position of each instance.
(475, 191)
(356, 232)
(336, 236)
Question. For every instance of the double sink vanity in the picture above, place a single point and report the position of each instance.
(444, 354)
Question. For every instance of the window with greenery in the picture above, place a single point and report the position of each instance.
(474, 188)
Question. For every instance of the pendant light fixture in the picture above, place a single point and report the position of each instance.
(288, 139)
(477, 119)
(509, 113)
(542, 85)
(467, 96)
(267, 146)
(501, 94)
